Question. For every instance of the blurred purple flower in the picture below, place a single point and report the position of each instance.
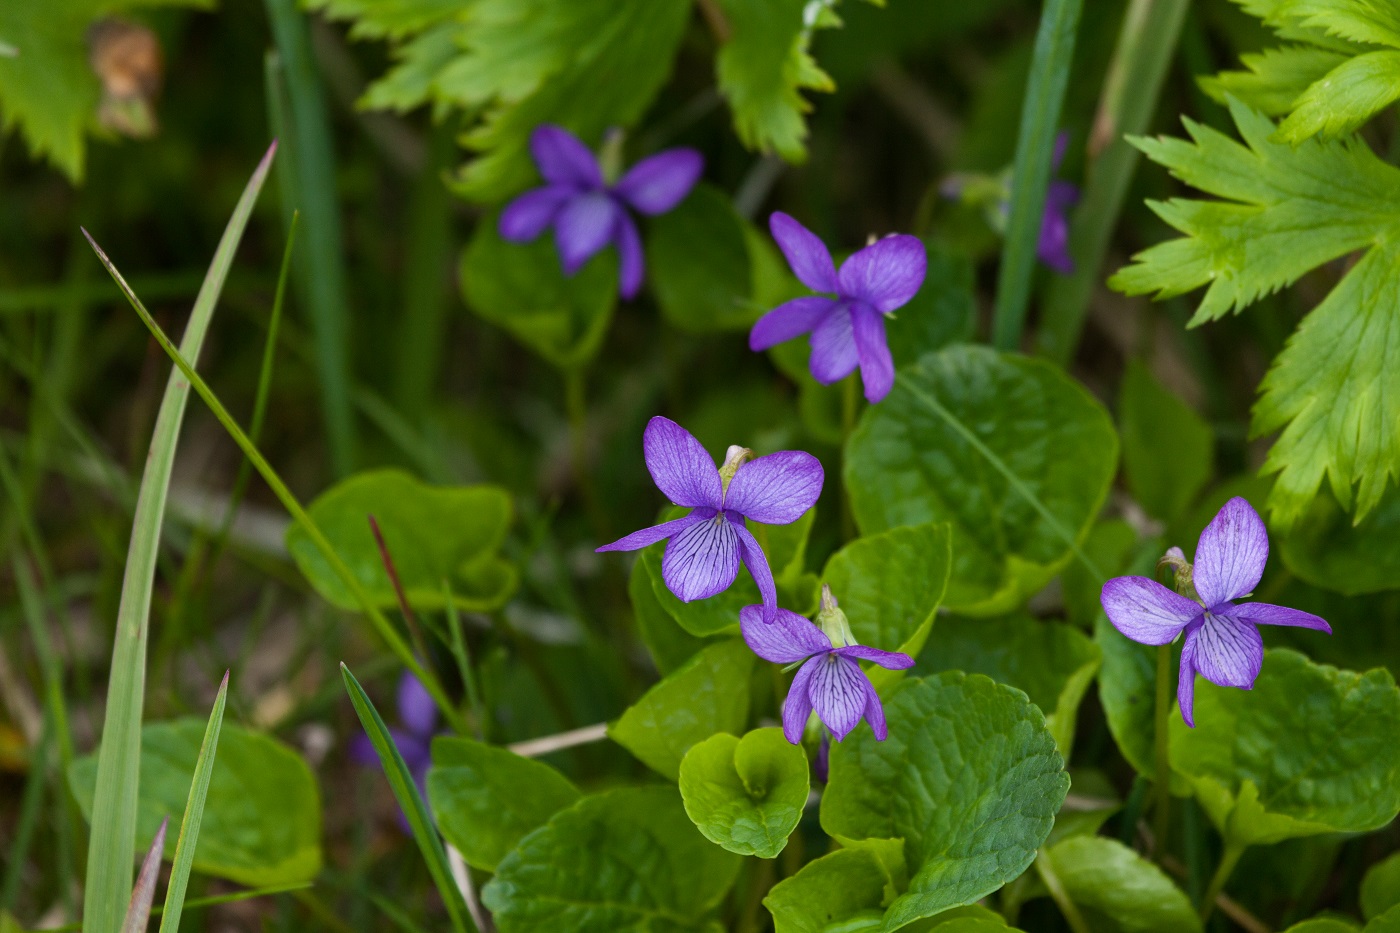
(1223, 643)
(1053, 246)
(419, 717)
(586, 211)
(829, 680)
(706, 546)
(849, 330)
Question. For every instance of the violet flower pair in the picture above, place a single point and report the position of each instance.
(1222, 643)
(704, 550)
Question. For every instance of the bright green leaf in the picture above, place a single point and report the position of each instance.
(262, 816)
(486, 799)
(1307, 751)
(968, 828)
(745, 795)
(1344, 98)
(433, 533)
(1017, 457)
(707, 694)
(1380, 889)
(625, 861)
(1120, 889)
(1167, 447)
(1275, 77)
(1388, 922)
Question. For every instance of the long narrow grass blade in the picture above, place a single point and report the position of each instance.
(294, 508)
(1035, 146)
(194, 813)
(410, 801)
(138, 911)
(113, 845)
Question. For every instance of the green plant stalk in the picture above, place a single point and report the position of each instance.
(1073, 918)
(1228, 860)
(112, 847)
(194, 814)
(460, 653)
(410, 801)
(1035, 146)
(308, 183)
(1162, 767)
(294, 508)
(1136, 74)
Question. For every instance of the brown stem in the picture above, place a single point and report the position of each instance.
(411, 620)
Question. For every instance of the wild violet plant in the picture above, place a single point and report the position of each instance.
(989, 531)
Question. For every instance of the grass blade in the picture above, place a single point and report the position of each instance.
(1040, 118)
(138, 911)
(113, 844)
(410, 801)
(194, 813)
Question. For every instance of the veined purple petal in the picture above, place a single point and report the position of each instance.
(630, 266)
(873, 351)
(806, 253)
(417, 710)
(528, 215)
(885, 274)
(702, 560)
(875, 713)
(789, 319)
(563, 159)
(838, 693)
(680, 466)
(648, 536)
(1229, 652)
(1186, 680)
(893, 660)
(798, 705)
(584, 227)
(757, 562)
(1231, 553)
(776, 489)
(788, 638)
(1269, 614)
(1145, 610)
(833, 342)
(660, 182)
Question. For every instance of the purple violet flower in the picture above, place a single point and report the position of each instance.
(419, 716)
(1052, 248)
(706, 546)
(1223, 643)
(829, 681)
(588, 210)
(848, 330)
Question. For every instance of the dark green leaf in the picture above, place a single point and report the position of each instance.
(1118, 890)
(1325, 548)
(1380, 889)
(1167, 448)
(670, 645)
(745, 795)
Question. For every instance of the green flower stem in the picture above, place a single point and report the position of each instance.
(1161, 760)
(1035, 148)
(1228, 860)
(1073, 918)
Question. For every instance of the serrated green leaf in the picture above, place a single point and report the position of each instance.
(1275, 77)
(1289, 210)
(487, 799)
(1353, 20)
(1380, 889)
(1325, 548)
(626, 861)
(433, 533)
(262, 816)
(1016, 456)
(522, 288)
(387, 19)
(707, 694)
(969, 828)
(419, 62)
(1120, 889)
(746, 795)
(1052, 662)
(1307, 751)
(1344, 98)
(1167, 447)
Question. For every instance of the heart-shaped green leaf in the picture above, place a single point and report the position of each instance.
(747, 794)
(1120, 889)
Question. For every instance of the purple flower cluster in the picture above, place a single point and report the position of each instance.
(1222, 642)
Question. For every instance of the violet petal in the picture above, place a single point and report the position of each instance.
(885, 274)
(788, 320)
(806, 253)
(873, 351)
(1229, 652)
(788, 638)
(563, 159)
(893, 660)
(1269, 614)
(417, 710)
(530, 214)
(680, 466)
(757, 562)
(838, 693)
(585, 225)
(1145, 610)
(833, 343)
(798, 705)
(1231, 553)
(777, 488)
(631, 266)
(1186, 680)
(875, 713)
(660, 182)
(702, 560)
(648, 536)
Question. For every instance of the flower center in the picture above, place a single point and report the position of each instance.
(734, 458)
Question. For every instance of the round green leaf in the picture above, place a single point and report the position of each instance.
(1118, 890)
(486, 799)
(969, 778)
(707, 694)
(747, 794)
(1309, 750)
(1016, 456)
(522, 288)
(262, 816)
(626, 861)
(434, 533)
